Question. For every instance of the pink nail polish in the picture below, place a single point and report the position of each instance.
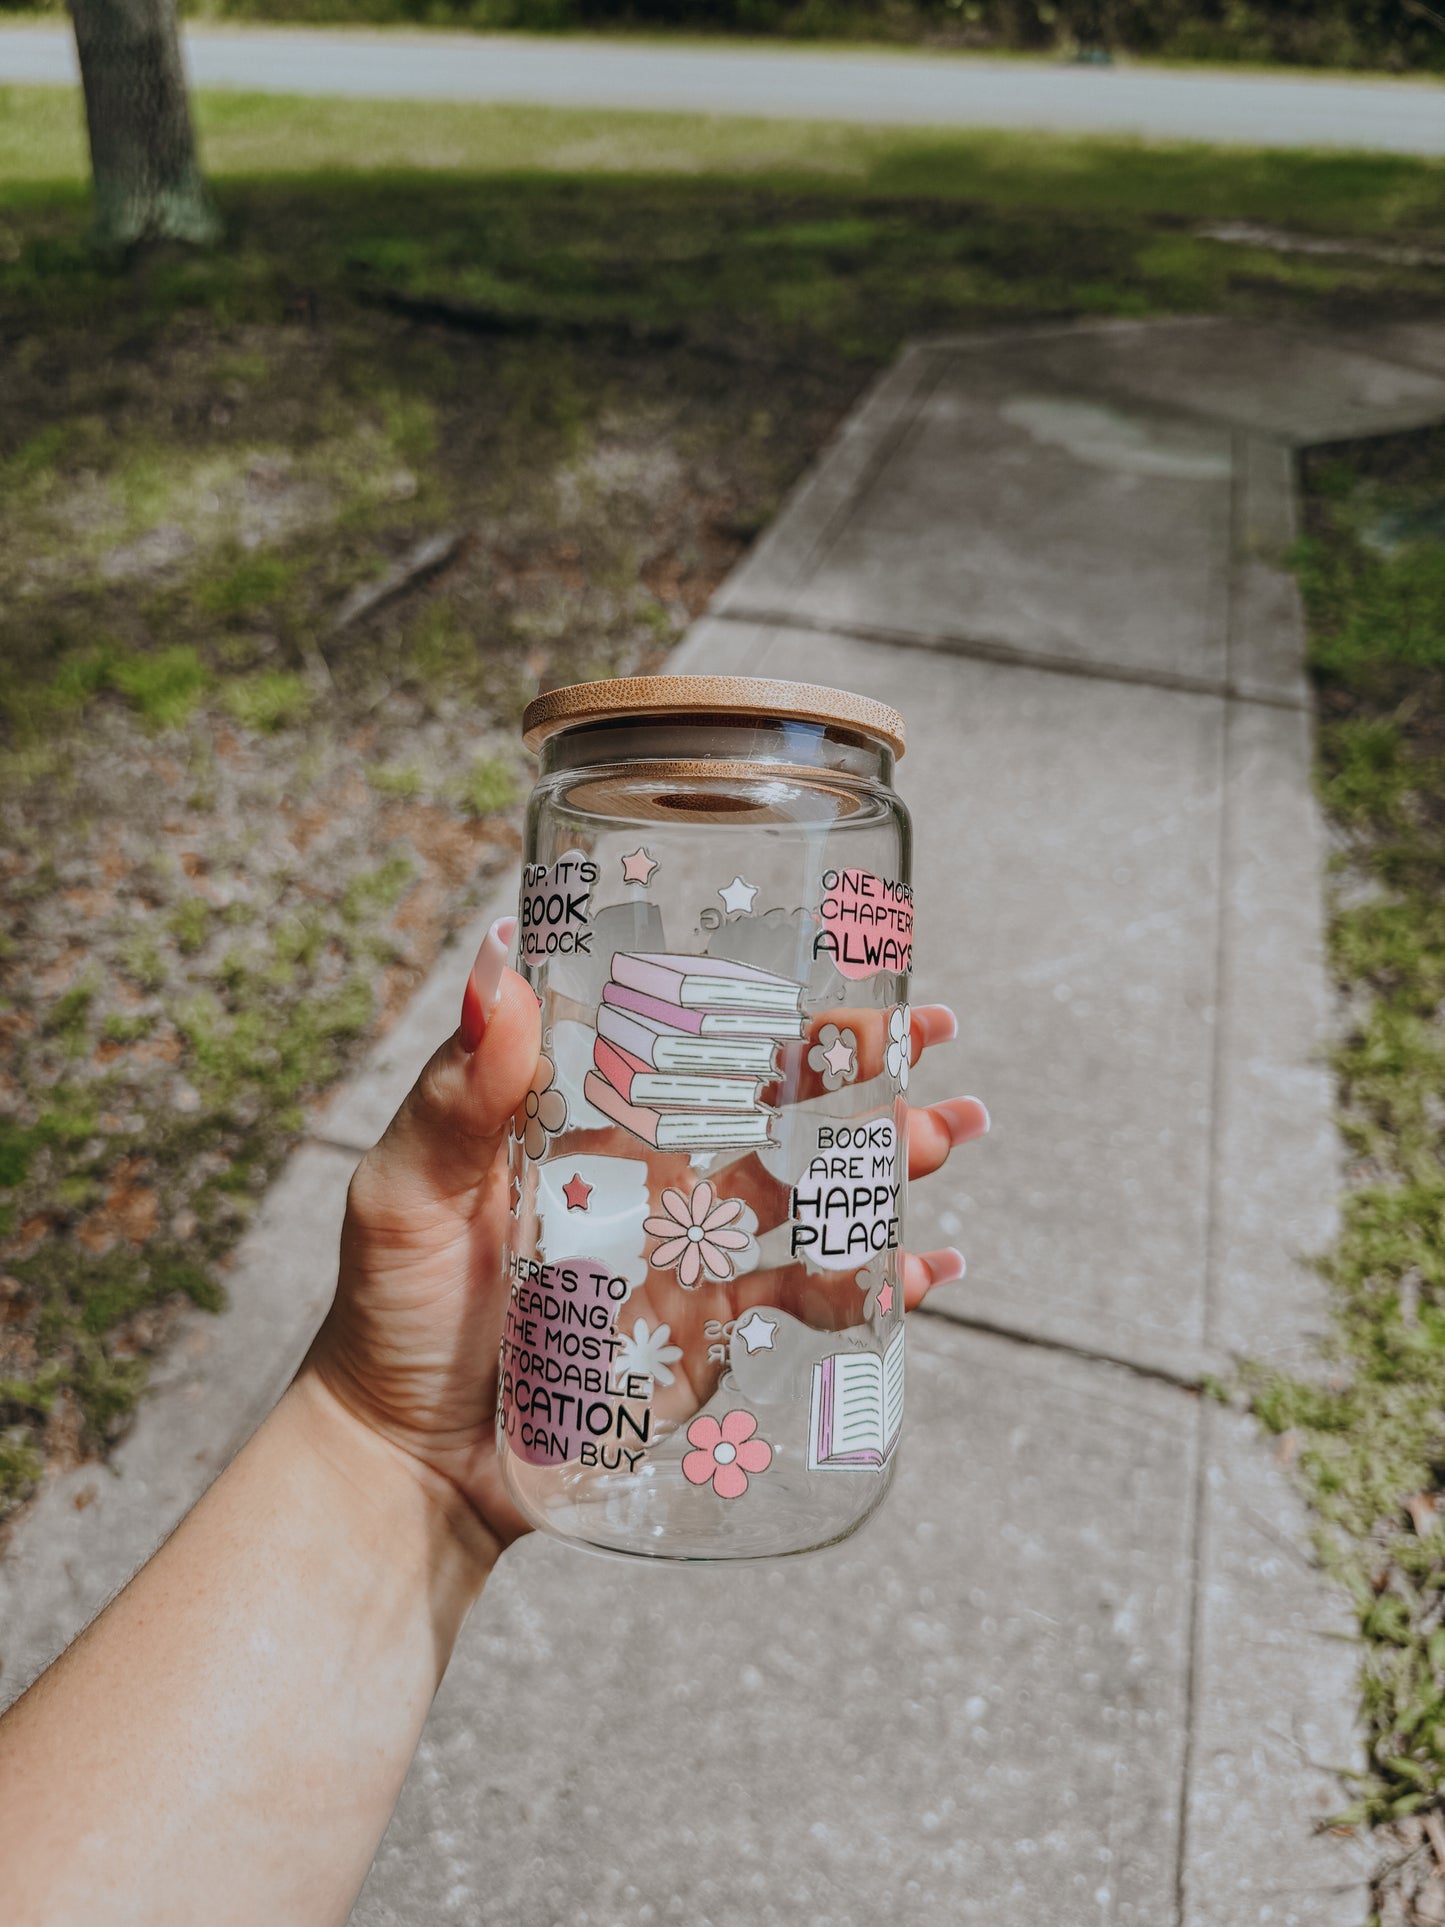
(952, 1017)
(947, 1265)
(484, 983)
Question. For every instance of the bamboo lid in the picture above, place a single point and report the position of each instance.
(595, 702)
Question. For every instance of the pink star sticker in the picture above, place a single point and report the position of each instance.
(638, 867)
(576, 1191)
(885, 1299)
(838, 1058)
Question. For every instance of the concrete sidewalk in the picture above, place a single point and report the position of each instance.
(864, 84)
(1081, 1669)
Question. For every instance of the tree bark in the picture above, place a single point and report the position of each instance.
(148, 182)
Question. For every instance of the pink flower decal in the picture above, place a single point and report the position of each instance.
(695, 1235)
(725, 1453)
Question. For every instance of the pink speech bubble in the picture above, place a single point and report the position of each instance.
(561, 1386)
(867, 924)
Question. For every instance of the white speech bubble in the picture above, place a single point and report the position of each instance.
(603, 1215)
(847, 1206)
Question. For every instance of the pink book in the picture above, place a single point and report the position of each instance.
(678, 1130)
(705, 1023)
(639, 1083)
(705, 983)
(665, 1048)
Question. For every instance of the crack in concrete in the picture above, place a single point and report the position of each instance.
(1010, 655)
(1039, 1341)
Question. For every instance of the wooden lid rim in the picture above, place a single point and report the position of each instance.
(623, 696)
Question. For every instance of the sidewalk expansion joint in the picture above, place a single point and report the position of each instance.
(992, 1328)
(1012, 656)
(1226, 857)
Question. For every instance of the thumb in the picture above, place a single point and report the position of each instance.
(451, 1125)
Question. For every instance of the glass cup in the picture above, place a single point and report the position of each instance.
(703, 1349)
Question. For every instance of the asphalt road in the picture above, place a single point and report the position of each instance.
(939, 90)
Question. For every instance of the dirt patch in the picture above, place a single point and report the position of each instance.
(233, 836)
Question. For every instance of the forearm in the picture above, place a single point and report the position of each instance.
(227, 1741)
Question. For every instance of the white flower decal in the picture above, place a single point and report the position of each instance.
(648, 1352)
(542, 1113)
(895, 1057)
(834, 1056)
(697, 1235)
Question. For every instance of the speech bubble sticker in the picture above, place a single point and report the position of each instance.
(847, 1206)
(566, 1395)
(597, 1204)
(554, 912)
(867, 924)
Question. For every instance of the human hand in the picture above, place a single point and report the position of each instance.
(411, 1342)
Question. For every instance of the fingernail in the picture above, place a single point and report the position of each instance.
(484, 983)
(952, 1017)
(965, 1118)
(947, 1265)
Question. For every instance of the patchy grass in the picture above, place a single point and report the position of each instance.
(42, 144)
(403, 781)
(272, 699)
(238, 822)
(1371, 1437)
(489, 785)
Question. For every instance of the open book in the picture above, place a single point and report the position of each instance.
(857, 1409)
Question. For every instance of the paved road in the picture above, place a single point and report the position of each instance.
(885, 89)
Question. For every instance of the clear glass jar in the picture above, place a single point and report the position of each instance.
(703, 1353)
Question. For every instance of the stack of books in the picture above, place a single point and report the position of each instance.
(684, 1047)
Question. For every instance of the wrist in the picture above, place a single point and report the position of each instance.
(414, 1507)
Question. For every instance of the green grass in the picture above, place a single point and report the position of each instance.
(488, 786)
(1372, 1437)
(561, 246)
(247, 588)
(269, 700)
(165, 687)
(403, 781)
(42, 144)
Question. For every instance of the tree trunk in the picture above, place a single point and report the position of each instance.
(148, 182)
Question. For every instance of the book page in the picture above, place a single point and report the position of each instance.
(857, 1403)
(682, 1130)
(892, 1390)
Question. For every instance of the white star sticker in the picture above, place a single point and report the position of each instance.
(739, 896)
(757, 1332)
